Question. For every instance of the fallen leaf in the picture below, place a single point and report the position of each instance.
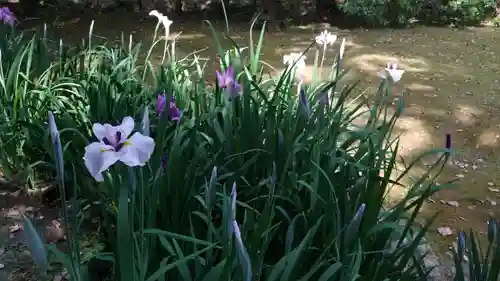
(16, 193)
(55, 232)
(15, 228)
(451, 203)
(445, 231)
(13, 213)
(491, 201)
(2, 265)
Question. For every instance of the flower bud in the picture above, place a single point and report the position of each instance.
(492, 230)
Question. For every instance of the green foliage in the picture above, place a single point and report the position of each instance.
(402, 12)
(25, 61)
(311, 187)
(382, 12)
(480, 265)
(458, 12)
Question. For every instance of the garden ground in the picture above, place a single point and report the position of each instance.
(451, 85)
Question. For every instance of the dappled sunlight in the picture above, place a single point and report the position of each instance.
(191, 36)
(414, 64)
(487, 30)
(436, 113)
(64, 23)
(415, 86)
(415, 137)
(352, 46)
(374, 62)
(308, 73)
(467, 114)
(280, 51)
(413, 133)
(313, 26)
(300, 39)
(396, 193)
(489, 137)
(182, 36)
(301, 43)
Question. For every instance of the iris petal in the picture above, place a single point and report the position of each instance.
(137, 150)
(126, 127)
(98, 158)
(396, 74)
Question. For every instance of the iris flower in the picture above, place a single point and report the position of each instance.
(114, 144)
(164, 20)
(174, 113)
(325, 38)
(391, 71)
(227, 81)
(7, 16)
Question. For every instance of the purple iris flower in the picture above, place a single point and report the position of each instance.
(325, 99)
(355, 223)
(7, 16)
(448, 141)
(492, 230)
(227, 81)
(359, 213)
(242, 252)
(160, 103)
(173, 111)
(304, 103)
(164, 160)
(461, 240)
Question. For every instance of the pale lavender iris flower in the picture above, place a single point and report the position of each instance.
(226, 80)
(7, 16)
(114, 144)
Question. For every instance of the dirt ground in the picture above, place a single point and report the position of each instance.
(451, 85)
(15, 259)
